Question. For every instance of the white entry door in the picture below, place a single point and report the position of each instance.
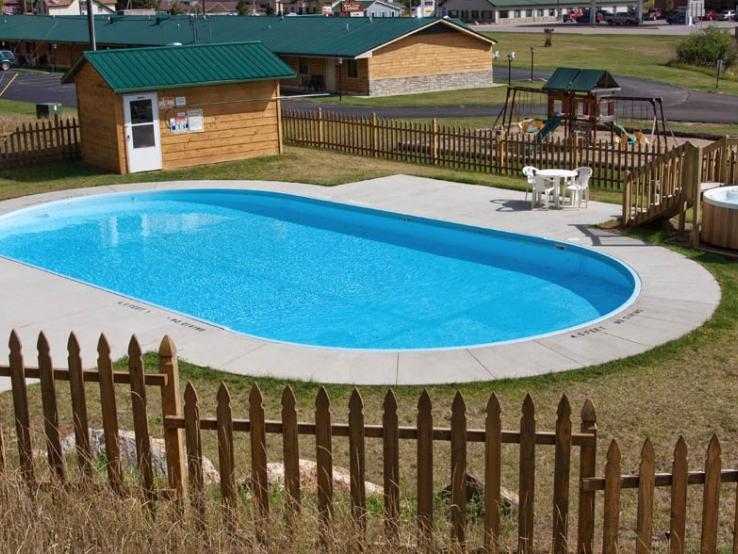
(143, 140)
(330, 75)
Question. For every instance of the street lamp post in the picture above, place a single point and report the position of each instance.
(719, 66)
(495, 57)
(340, 79)
(510, 58)
(532, 58)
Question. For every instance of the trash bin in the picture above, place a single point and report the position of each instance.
(48, 109)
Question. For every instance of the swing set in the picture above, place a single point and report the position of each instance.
(583, 103)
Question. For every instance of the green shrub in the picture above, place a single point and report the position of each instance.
(707, 47)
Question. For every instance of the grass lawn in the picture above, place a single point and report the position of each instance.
(644, 56)
(476, 96)
(301, 165)
(687, 387)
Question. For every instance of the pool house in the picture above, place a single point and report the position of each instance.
(144, 109)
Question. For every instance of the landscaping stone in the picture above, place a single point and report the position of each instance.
(475, 493)
(309, 478)
(127, 447)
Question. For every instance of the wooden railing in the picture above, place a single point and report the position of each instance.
(574, 455)
(720, 162)
(41, 141)
(658, 188)
(482, 150)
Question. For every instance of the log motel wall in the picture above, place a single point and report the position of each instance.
(482, 150)
(573, 444)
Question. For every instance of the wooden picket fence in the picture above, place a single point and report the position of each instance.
(41, 141)
(575, 457)
(483, 150)
(720, 162)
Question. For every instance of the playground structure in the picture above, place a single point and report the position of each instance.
(583, 103)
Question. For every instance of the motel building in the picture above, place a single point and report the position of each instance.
(523, 11)
(370, 56)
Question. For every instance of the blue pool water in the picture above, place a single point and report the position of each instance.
(317, 273)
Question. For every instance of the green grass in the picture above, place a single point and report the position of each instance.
(16, 108)
(302, 165)
(643, 56)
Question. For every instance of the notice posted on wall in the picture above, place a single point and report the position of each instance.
(196, 121)
(179, 123)
(166, 102)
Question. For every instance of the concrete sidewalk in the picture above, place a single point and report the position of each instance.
(677, 296)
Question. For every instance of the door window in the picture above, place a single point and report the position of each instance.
(142, 123)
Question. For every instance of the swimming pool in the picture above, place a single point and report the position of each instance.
(311, 272)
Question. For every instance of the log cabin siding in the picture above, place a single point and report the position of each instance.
(432, 53)
(240, 122)
(100, 113)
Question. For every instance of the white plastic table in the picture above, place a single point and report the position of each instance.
(557, 175)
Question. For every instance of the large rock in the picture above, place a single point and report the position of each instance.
(309, 478)
(509, 501)
(127, 447)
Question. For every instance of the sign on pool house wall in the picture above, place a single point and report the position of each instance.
(142, 118)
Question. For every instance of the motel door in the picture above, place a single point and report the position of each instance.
(143, 141)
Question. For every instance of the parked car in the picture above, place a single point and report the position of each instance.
(7, 59)
(623, 19)
(727, 15)
(584, 18)
(653, 14)
(676, 17)
(711, 15)
(572, 17)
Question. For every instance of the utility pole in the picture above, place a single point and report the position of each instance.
(91, 26)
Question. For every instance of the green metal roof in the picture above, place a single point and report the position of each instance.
(570, 79)
(298, 35)
(138, 69)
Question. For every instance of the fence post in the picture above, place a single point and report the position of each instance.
(575, 158)
(692, 180)
(587, 468)
(627, 192)
(321, 130)
(374, 136)
(499, 151)
(434, 141)
(171, 405)
(20, 408)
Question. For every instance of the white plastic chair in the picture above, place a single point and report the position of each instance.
(542, 187)
(579, 187)
(530, 173)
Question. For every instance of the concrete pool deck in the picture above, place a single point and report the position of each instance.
(677, 296)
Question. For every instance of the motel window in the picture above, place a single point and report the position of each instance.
(486, 15)
(528, 13)
(504, 14)
(464, 14)
(453, 13)
(353, 69)
(552, 13)
(516, 13)
(475, 14)
(303, 65)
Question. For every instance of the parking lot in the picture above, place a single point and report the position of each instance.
(37, 87)
(647, 28)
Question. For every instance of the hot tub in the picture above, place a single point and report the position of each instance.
(720, 217)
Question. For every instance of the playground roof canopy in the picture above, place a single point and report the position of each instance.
(570, 79)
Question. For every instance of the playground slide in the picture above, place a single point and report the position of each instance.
(623, 133)
(551, 124)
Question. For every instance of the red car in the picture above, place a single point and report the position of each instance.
(711, 15)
